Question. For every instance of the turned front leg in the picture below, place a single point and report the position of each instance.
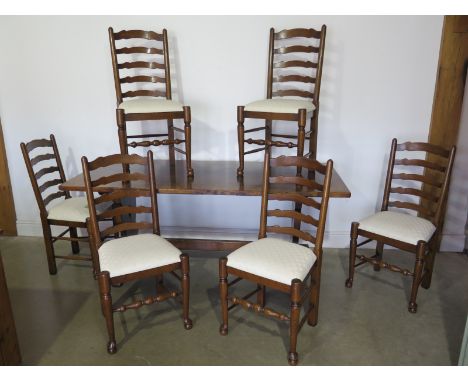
(223, 294)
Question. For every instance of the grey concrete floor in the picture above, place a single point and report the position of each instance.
(59, 321)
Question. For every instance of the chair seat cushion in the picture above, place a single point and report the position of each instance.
(280, 105)
(150, 105)
(399, 226)
(72, 209)
(136, 253)
(273, 259)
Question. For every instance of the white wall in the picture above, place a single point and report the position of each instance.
(378, 83)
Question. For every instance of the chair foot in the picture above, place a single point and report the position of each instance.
(112, 347)
(53, 271)
(349, 283)
(293, 358)
(377, 268)
(223, 330)
(190, 173)
(188, 324)
(425, 284)
(240, 172)
(412, 307)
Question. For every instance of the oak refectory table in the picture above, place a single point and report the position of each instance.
(211, 178)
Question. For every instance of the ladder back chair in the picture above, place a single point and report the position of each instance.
(400, 228)
(56, 208)
(130, 257)
(142, 80)
(294, 70)
(276, 263)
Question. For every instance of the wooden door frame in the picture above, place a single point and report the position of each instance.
(7, 205)
(450, 87)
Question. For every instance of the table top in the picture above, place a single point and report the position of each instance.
(211, 178)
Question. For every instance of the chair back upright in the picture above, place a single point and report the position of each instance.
(295, 63)
(140, 63)
(427, 179)
(282, 181)
(120, 179)
(45, 165)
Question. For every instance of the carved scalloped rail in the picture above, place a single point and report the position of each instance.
(382, 264)
(147, 301)
(247, 305)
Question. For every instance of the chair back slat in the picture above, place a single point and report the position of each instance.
(132, 79)
(418, 178)
(293, 215)
(295, 63)
(139, 49)
(127, 210)
(297, 198)
(294, 78)
(128, 57)
(415, 192)
(44, 171)
(55, 195)
(297, 49)
(421, 163)
(143, 93)
(38, 143)
(121, 193)
(140, 65)
(288, 161)
(131, 34)
(292, 232)
(49, 183)
(124, 227)
(293, 92)
(297, 32)
(305, 173)
(423, 146)
(35, 166)
(432, 174)
(42, 158)
(297, 180)
(120, 177)
(412, 206)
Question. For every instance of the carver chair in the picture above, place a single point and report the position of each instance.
(142, 80)
(275, 263)
(130, 257)
(395, 225)
(56, 208)
(294, 70)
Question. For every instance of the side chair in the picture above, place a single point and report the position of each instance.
(142, 81)
(56, 208)
(293, 91)
(130, 257)
(397, 224)
(275, 263)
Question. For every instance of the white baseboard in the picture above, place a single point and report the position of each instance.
(332, 239)
(336, 239)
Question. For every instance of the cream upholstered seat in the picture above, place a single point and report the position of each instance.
(150, 105)
(136, 253)
(72, 209)
(273, 259)
(280, 105)
(399, 226)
